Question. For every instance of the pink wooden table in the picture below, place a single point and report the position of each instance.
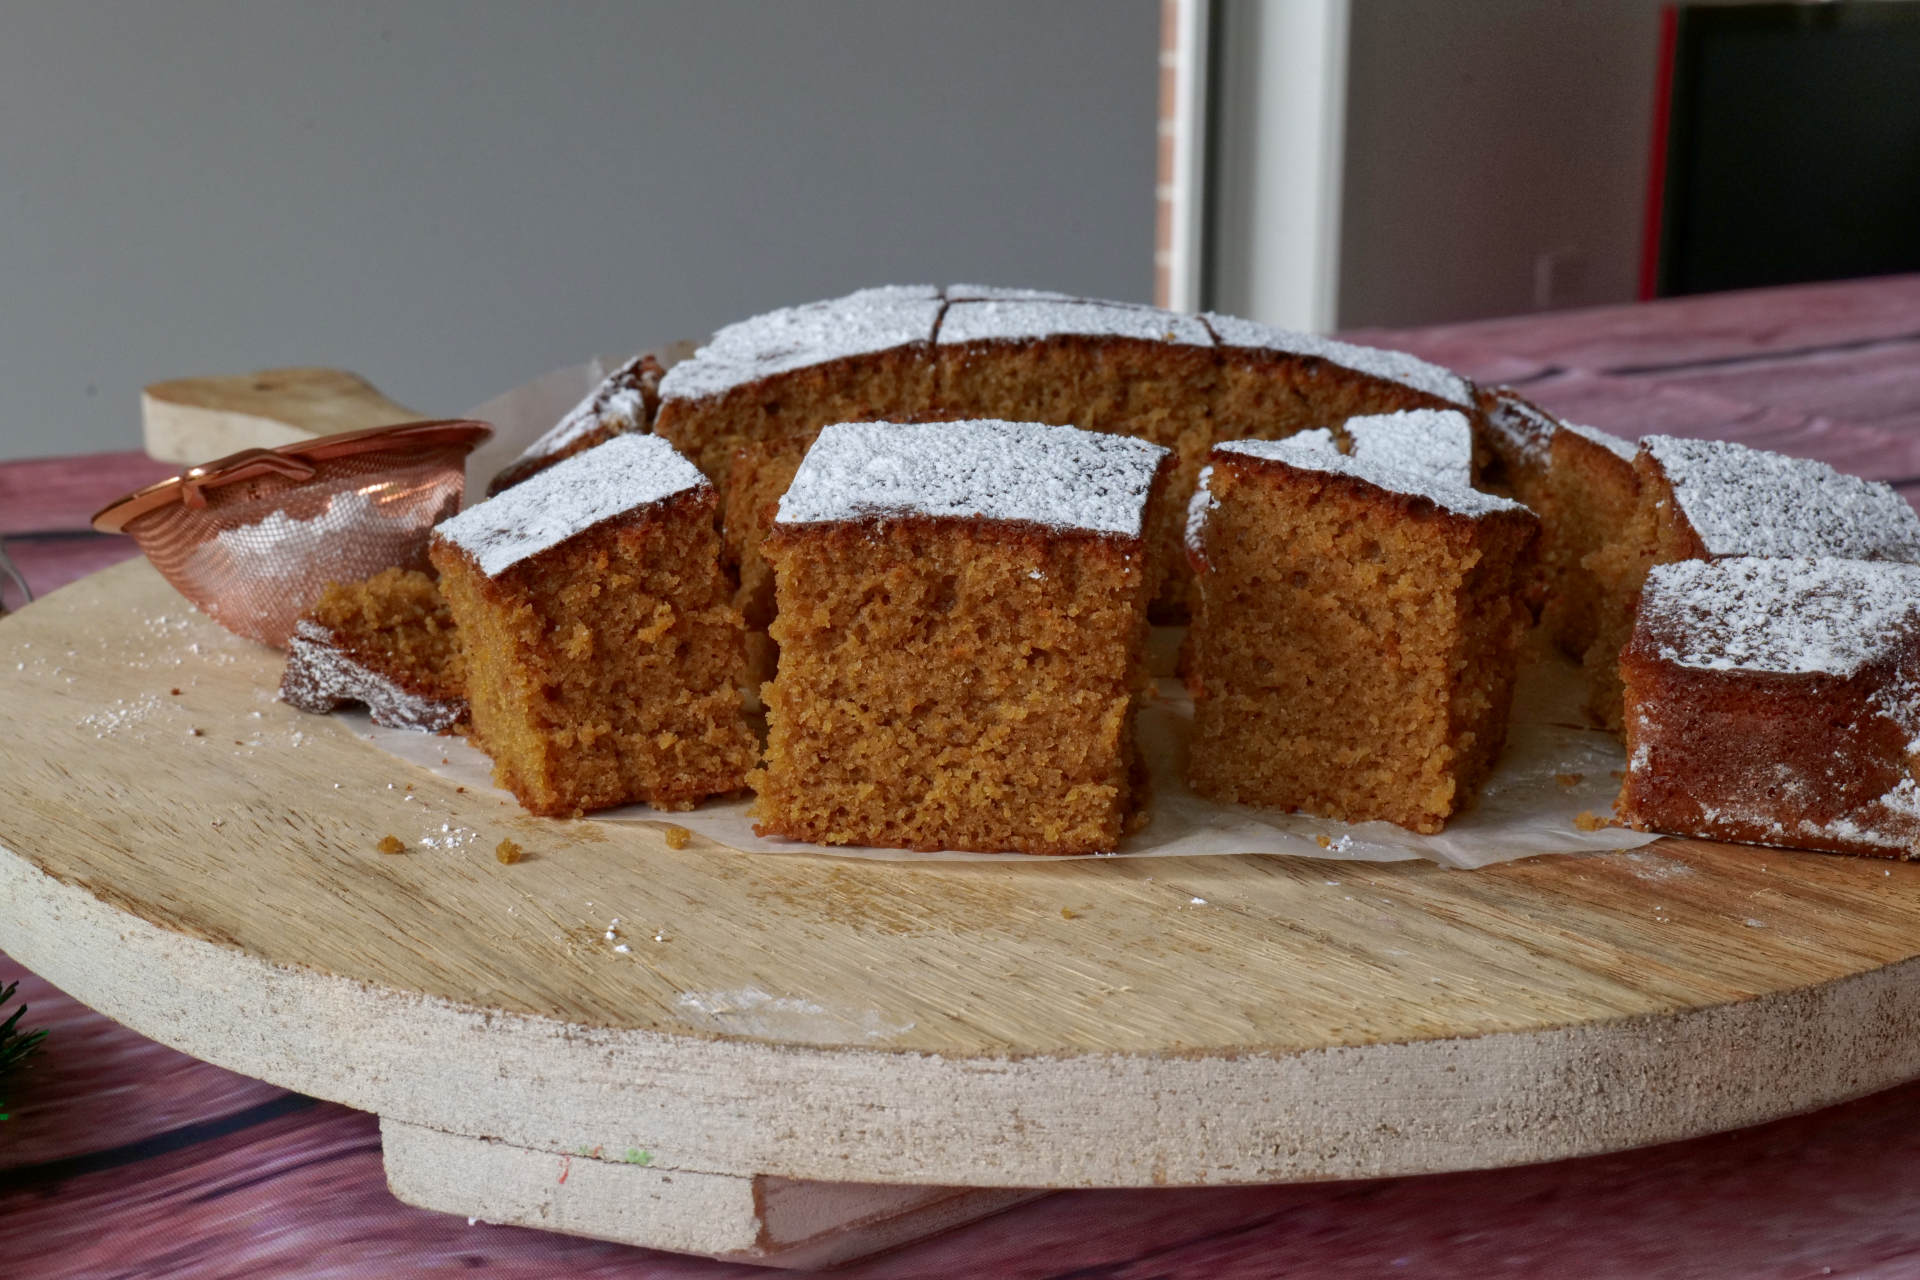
(124, 1158)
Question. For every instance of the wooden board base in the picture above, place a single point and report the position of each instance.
(189, 856)
(773, 1222)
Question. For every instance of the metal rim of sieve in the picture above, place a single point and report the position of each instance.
(297, 462)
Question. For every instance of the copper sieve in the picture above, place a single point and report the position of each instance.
(253, 538)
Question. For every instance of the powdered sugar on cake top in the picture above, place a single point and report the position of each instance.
(862, 323)
(1316, 451)
(1026, 319)
(625, 473)
(1395, 366)
(1201, 505)
(617, 404)
(320, 676)
(1524, 430)
(984, 469)
(1779, 616)
(1435, 442)
(1750, 502)
(1001, 293)
(1619, 448)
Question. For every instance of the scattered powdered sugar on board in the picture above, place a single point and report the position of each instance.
(1435, 442)
(859, 324)
(1623, 449)
(1395, 366)
(1316, 451)
(1752, 502)
(625, 473)
(1061, 477)
(1785, 616)
(1025, 319)
(752, 1011)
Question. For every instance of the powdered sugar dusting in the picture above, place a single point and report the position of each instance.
(1027, 319)
(320, 676)
(1201, 505)
(1790, 616)
(625, 473)
(862, 323)
(983, 469)
(1523, 430)
(1750, 502)
(1395, 366)
(617, 405)
(1623, 449)
(1436, 442)
(1316, 451)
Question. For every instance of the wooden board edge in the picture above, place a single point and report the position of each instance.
(743, 1107)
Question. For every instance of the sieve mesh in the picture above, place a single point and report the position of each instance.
(254, 553)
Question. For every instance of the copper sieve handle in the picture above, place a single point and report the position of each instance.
(244, 465)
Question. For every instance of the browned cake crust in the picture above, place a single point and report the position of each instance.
(1512, 445)
(388, 643)
(1353, 650)
(626, 401)
(1185, 397)
(949, 683)
(1721, 745)
(893, 384)
(605, 670)
(1724, 747)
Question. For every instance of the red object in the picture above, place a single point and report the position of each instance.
(1657, 167)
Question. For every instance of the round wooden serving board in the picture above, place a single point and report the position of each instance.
(199, 861)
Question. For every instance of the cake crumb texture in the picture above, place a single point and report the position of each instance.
(954, 683)
(603, 669)
(389, 643)
(1354, 644)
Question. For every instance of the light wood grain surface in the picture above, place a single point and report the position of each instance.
(192, 420)
(1104, 1022)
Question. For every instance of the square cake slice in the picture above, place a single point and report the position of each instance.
(1357, 627)
(603, 651)
(1777, 701)
(1704, 499)
(962, 632)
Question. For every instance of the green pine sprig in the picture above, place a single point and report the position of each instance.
(15, 1045)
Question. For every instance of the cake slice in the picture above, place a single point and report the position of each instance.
(1515, 445)
(1777, 701)
(1356, 630)
(603, 650)
(623, 403)
(387, 643)
(962, 632)
(1591, 494)
(1706, 499)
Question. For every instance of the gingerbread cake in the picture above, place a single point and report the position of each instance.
(603, 650)
(1357, 623)
(1777, 701)
(623, 403)
(962, 631)
(921, 352)
(1706, 499)
(387, 643)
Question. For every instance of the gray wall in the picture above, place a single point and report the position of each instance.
(1484, 135)
(451, 197)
